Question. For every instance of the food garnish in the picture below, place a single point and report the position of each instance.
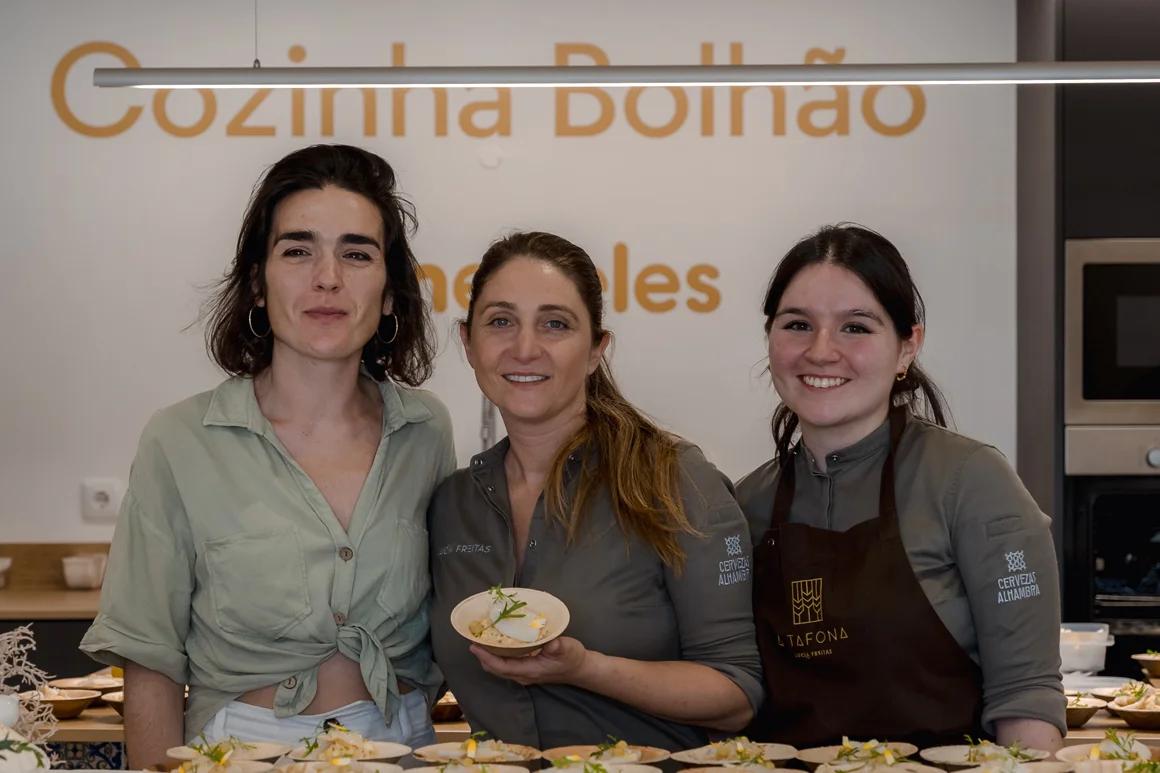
(336, 744)
(1115, 747)
(741, 750)
(872, 753)
(571, 760)
(983, 750)
(20, 746)
(508, 621)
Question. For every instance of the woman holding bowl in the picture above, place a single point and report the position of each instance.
(590, 501)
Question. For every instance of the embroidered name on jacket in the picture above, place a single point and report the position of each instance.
(447, 550)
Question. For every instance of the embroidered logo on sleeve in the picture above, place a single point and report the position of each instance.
(1021, 583)
(733, 545)
(736, 568)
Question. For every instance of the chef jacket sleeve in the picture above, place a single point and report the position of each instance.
(145, 599)
(712, 594)
(1006, 557)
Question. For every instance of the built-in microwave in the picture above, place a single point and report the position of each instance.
(1111, 389)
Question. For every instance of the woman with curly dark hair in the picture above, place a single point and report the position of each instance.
(271, 548)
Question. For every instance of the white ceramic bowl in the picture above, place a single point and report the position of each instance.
(476, 607)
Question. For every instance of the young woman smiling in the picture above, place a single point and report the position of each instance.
(886, 546)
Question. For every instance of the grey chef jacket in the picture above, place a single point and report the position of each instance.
(978, 544)
(623, 600)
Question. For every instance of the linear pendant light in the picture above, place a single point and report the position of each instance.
(1005, 73)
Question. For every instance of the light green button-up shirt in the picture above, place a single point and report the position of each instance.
(229, 571)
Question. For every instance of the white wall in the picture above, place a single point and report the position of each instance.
(108, 243)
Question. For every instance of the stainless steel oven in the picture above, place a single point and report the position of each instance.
(1112, 357)
(1113, 557)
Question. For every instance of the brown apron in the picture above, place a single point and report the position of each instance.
(849, 642)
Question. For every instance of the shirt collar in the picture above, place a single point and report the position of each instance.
(234, 404)
(493, 457)
(876, 442)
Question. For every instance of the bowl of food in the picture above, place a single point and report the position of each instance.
(1116, 746)
(469, 767)
(102, 683)
(1150, 662)
(973, 755)
(1036, 766)
(510, 622)
(1140, 711)
(446, 709)
(210, 765)
(66, 704)
(477, 750)
(878, 766)
(855, 752)
(737, 752)
(231, 748)
(612, 752)
(341, 765)
(116, 700)
(336, 742)
(750, 767)
(1081, 708)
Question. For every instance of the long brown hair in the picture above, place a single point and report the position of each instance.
(231, 341)
(878, 263)
(634, 458)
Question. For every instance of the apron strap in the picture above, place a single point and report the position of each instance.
(887, 503)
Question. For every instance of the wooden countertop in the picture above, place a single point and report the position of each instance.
(48, 604)
(103, 725)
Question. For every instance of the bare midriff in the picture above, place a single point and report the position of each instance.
(340, 682)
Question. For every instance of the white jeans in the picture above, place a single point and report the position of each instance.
(411, 724)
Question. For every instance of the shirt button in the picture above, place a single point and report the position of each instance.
(339, 618)
(345, 553)
(491, 489)
(477, 462)
(290, 683)
(833, 457)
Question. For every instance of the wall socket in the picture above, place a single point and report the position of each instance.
(101, 499)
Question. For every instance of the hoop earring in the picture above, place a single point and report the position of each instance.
(901, 376)
(394, 329)
(250, 319)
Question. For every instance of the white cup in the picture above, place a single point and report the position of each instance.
(84, 571)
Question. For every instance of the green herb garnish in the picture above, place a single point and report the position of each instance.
(1144, 766)
(19, 747)
(511, 607)
(1014, 752)
(511, 610)
(1123, 744)
(611, 742)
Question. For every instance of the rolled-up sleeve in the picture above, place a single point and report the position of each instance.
(145, 599)
(1006, 557)
(712, 594)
